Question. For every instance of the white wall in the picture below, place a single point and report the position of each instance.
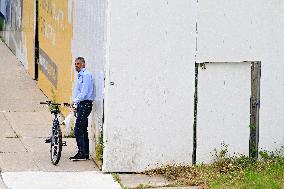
(249, 30)
(149, 109)
(223, 111)
(89, 42)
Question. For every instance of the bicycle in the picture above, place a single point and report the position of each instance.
(56, 134)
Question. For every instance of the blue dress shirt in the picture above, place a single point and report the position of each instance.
(84, 88)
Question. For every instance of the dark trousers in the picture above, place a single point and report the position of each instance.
(84, 109)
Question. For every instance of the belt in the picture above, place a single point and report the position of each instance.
(86, 101)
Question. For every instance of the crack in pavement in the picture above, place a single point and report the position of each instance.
(16, 134)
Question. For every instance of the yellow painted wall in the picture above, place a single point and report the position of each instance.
(55, 36)
(29, 33)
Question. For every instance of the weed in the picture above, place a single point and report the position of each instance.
(253, 126)
(70, 135)
(99, 148)
(53, 100)
(203, 66)
(116, 177)
(2, 23)
(142, 186)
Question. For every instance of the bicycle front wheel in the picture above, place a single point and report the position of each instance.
(56, 146)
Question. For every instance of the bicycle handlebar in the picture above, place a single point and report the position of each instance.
(55, 104)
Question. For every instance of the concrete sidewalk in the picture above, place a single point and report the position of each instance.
(25, 124)
(59, 180)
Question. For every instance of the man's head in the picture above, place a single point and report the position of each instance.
(79, 63)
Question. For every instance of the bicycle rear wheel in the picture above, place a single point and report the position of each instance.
(56, 146)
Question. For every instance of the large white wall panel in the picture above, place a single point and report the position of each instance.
(272, 105)
(223, 111)
(89, 32)
(232, 30)
(272, 81)
(149, 109)
(249, 30)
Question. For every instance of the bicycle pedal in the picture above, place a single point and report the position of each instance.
(64, 143)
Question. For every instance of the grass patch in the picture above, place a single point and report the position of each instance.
(262, 174)
(229, 172)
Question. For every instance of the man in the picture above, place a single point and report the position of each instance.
(83, 97)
